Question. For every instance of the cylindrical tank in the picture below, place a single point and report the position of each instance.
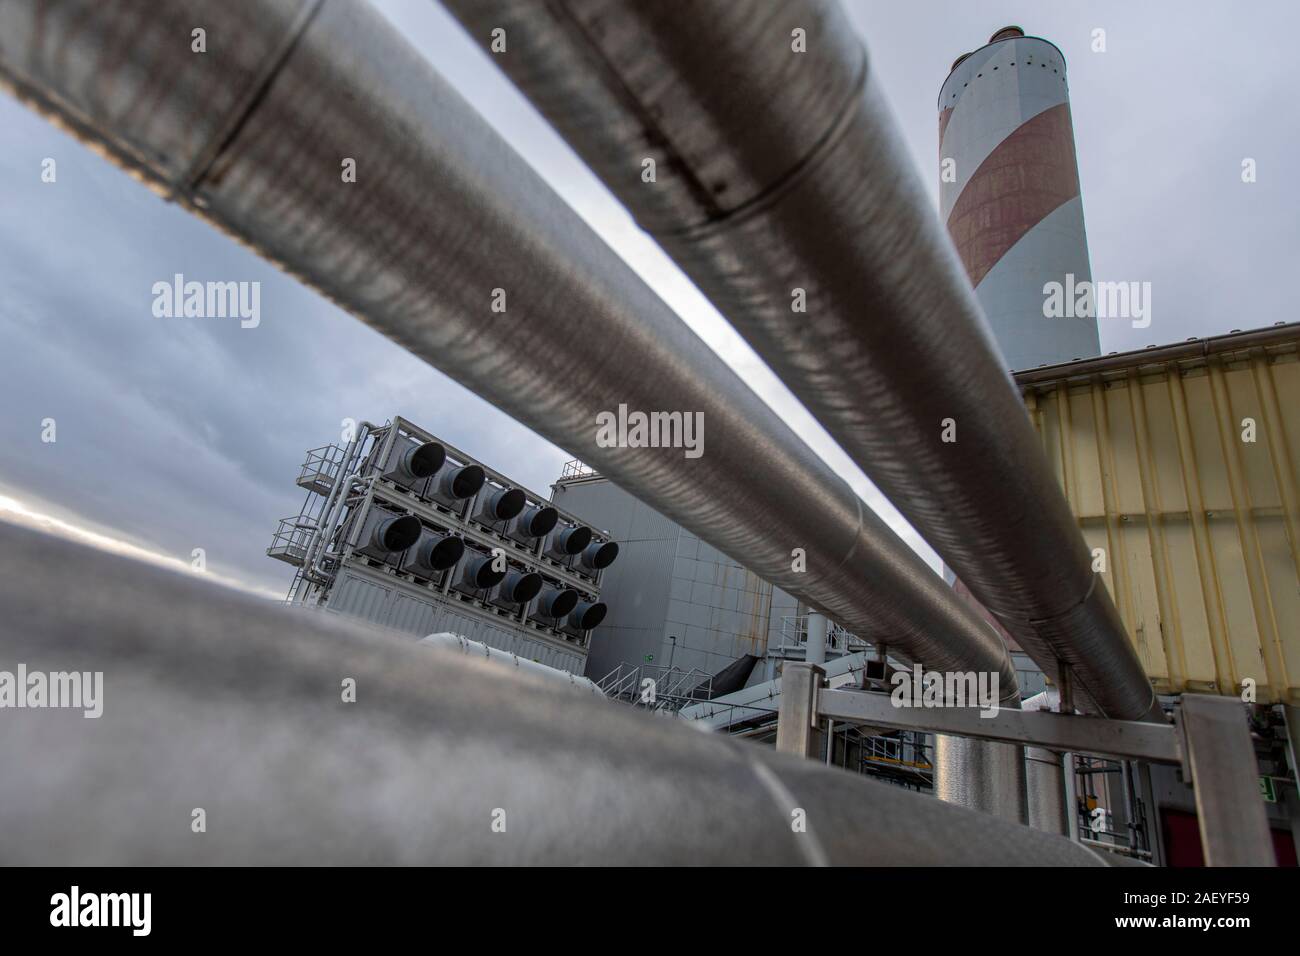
(1009, 193)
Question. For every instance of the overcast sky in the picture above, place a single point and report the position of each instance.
(174, 435)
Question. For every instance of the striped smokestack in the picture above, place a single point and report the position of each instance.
(1009, 193)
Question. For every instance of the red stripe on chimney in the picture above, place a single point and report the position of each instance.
(1028, 175)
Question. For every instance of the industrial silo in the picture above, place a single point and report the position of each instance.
(1009, 193)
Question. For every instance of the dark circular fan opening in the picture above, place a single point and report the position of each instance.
(576, 540)
(426, 459)
(527, 587)
(446, 553)
(543, 521)
(400, 533)
(468, 481)
(563, 602)
(507, 504)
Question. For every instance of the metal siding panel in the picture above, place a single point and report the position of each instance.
(1199, 525)
(359, 598)
(636, 587)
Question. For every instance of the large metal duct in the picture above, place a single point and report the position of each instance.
(781, 184)
(443, 221)
(217, 700)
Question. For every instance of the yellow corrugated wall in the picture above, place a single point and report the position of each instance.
(1200, 527)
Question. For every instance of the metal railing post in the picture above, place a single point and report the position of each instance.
(1220, 759)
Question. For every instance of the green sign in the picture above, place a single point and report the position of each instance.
(649, 658)
(1267, 790)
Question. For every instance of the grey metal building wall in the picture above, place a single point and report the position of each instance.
(635, 625)
(666, 584)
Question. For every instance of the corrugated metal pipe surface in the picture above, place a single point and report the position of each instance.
(781, 184)
(216, 700)
(443, 221)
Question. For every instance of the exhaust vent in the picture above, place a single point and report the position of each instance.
(386, 534)
(520, 587)
(503, 505)
(479, 575)
(410, 462)
(458, 484)
(571, 541)
(436, 553)
(587, 615)
(557, 602)
(598, 555)
(536, 522)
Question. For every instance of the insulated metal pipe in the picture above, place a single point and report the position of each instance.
(983, 775)
(214, 699)
(1045, 790)
(750, 139)
(463, 645)
(315, 134)
(816, 646)
(1045, 794)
